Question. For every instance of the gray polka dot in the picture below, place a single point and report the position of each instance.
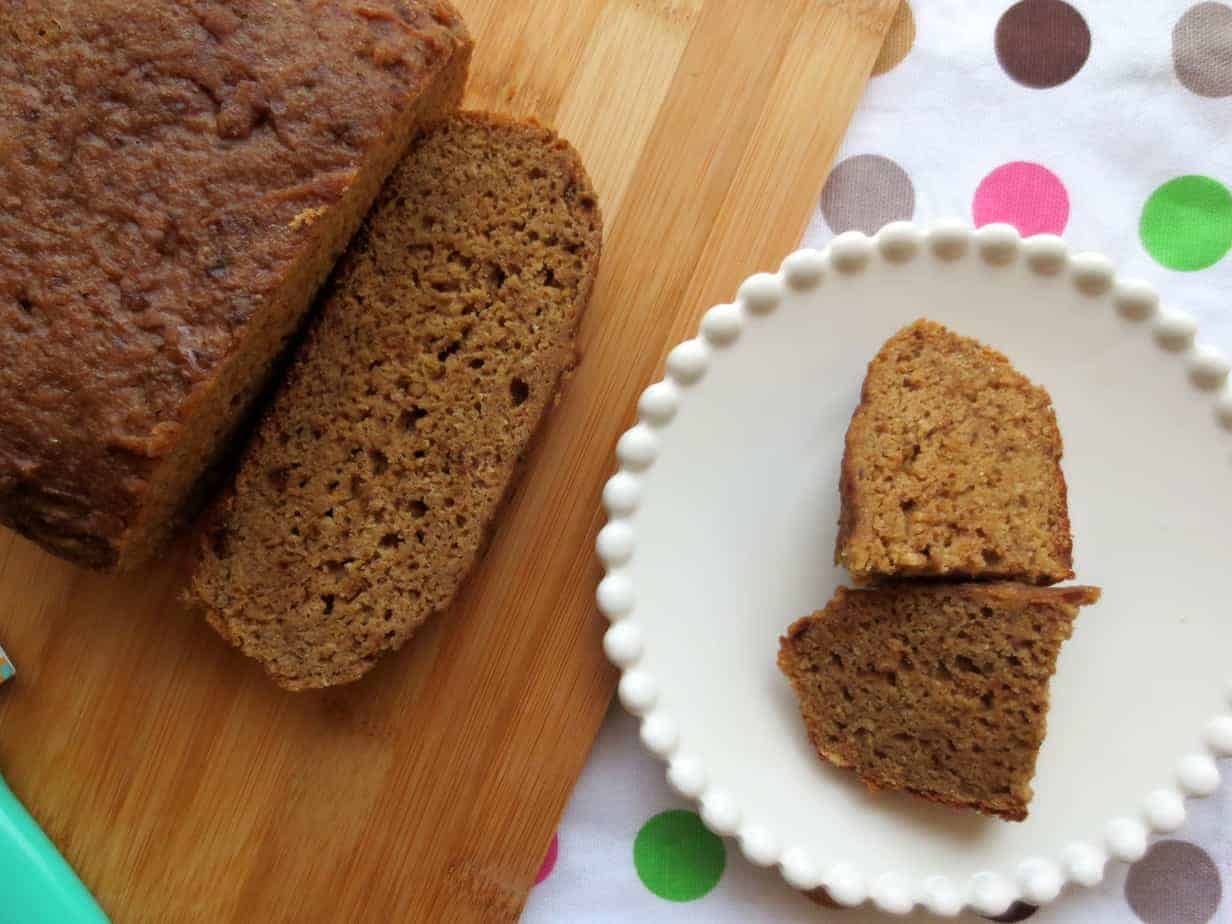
(1202, 49)
(1175, 883)
(898, 40)
(866, 191)
(819, 896)
(1019, 911)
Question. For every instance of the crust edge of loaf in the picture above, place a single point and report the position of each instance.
(115, 541)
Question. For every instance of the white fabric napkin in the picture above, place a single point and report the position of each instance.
(1106, 122)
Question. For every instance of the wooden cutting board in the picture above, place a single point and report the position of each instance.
(184, 787)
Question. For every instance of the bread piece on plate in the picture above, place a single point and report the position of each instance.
(952, 467)
(937, 689)
(375, 476)
(177, 180)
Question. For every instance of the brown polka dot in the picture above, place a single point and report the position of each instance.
(1042, 43)
(1202, 49)
(866, 191)
(898, 40)
(1175, 883)
(1019, 911)
(819, 896)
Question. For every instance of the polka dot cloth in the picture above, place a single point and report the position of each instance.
(1201, 50)
(677, 858)
(1042, 43)
(898, 40)
(1028, 196)
(549, 860)
(1103, 121)
(1187, 223)
(1175, 883)
(1019, 911)
(865, 192)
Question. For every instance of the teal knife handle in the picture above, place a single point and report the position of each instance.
(36, 885)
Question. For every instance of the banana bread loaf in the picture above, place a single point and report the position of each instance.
(176, 181)
(374, 477)
(938, 689)
(952, 467)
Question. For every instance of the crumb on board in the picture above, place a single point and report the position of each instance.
(306, 217)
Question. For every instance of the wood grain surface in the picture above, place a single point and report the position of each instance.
(184, 787)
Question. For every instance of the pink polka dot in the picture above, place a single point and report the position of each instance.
(1026, 195)
(549, 860)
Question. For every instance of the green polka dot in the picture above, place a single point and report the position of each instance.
(677, 858)
(1187, 223)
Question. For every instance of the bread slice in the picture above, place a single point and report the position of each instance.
(952, 467)
(375, 475)
(937, 689)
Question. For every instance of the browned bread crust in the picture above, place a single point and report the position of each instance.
(952, 467)
(377, 473)
(177, 180)
(940, 690)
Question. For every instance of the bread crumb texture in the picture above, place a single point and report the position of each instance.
(374, 477)
(940, 690)
(952, 467)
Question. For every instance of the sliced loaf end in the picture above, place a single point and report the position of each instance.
(443, 336)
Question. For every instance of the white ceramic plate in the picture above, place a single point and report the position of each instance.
(721, 530)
